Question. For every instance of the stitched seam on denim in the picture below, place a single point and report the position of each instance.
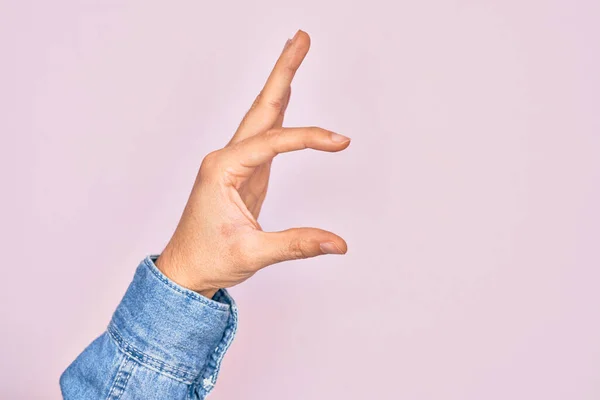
(158, 371)
(128, 376)
(121, 379)
(179, 374)
(115, 378)
(211, 371)
(182, 375)
(189, 294)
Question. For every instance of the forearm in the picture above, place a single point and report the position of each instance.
(163, 342)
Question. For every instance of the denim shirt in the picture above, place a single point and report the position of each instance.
(163, 342)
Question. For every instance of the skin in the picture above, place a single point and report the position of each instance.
(218, 242)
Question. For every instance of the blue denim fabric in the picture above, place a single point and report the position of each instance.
(163, 342)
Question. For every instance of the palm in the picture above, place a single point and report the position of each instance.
(254, 190)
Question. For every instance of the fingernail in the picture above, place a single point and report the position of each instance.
(330, 248)
(336, 137)
(287, 44)
(296, 36)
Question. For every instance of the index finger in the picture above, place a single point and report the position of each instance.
(268, 104)
(259, 149)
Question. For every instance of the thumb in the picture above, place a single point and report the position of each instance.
(296, 243)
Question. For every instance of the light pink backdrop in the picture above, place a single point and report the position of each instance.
(469, 196)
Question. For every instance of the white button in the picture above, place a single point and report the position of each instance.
(207, 382)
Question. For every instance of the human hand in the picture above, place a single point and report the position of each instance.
(218, 242)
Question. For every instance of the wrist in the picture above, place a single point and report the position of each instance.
(176, 272)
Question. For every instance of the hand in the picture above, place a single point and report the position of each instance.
(218, 242)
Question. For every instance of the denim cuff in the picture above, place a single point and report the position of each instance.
(173, 330)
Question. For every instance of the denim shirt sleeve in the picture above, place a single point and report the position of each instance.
(163, 342)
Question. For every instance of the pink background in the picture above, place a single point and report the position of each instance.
(469, 197)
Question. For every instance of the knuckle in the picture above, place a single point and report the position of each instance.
(275, 104)
(210, 163)
(243, 252)
(289, 70)
(315, 130)
(298, 249)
